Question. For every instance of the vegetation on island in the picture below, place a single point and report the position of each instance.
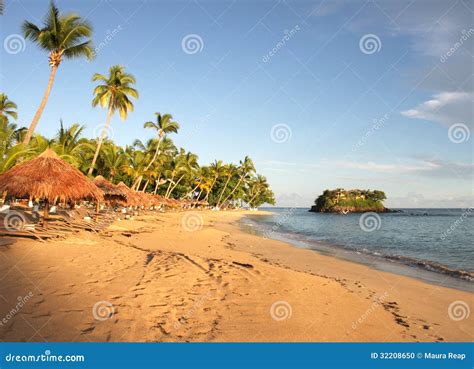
(156, 165)
(350, 201)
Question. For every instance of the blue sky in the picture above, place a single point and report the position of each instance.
(292, 84)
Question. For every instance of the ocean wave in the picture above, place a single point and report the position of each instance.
(318, 241)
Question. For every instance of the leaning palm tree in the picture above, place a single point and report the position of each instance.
(114, 158)
(113, 93)
(10, 150)
(256, 186)
(7, 109)
(217, 169)
(186, 165)
(229, 171)
(164, 125)
(246, 168)
(63, 36)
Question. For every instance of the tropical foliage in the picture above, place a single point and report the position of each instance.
(161, 167)
(156, 165)
(340, 200)
(62, 36)
(114, 93)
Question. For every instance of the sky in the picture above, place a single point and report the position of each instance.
(320, 94)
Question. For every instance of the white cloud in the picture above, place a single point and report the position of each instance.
(447, 108)
(427, 167)
(417, 200)
(385, 168)
(328, 8)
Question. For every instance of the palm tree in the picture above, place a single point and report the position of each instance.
(68, 143)
(166, 153)
(114, 93)
(186, 164)
(135, 163)
(229, 171)
(217, 169)
(164, 125)
(114, 158)
(246, 168)
(7, 109)
(11, 150)
(68, 138)
(63, 36)
(256, 187)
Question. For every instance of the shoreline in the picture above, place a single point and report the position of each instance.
(196, 276)
(422, 270)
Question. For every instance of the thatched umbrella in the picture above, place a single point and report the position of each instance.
(159, 200)
(111, 192)
(48, 177)
(132, 198)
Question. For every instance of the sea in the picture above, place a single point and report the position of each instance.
(434, 245)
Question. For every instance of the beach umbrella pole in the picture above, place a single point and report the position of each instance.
(45, 214)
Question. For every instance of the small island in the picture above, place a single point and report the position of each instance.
(350, 201)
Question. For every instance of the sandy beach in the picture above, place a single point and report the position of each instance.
(196, 276)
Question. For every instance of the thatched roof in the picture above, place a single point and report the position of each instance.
(132, 198)
(109, 188)
(47, 177)
(173, 203)
(159, 200)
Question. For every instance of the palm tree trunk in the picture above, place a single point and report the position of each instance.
(37, 116)
(101, 139)
(195, 188)
(223, 190)
(235, 188)
(169, 186)
(253, 198)
(137, 182)
(192, 191)
(177, 182)
(146, 184)
(157, 184)
(210, 189)
(156, 153)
